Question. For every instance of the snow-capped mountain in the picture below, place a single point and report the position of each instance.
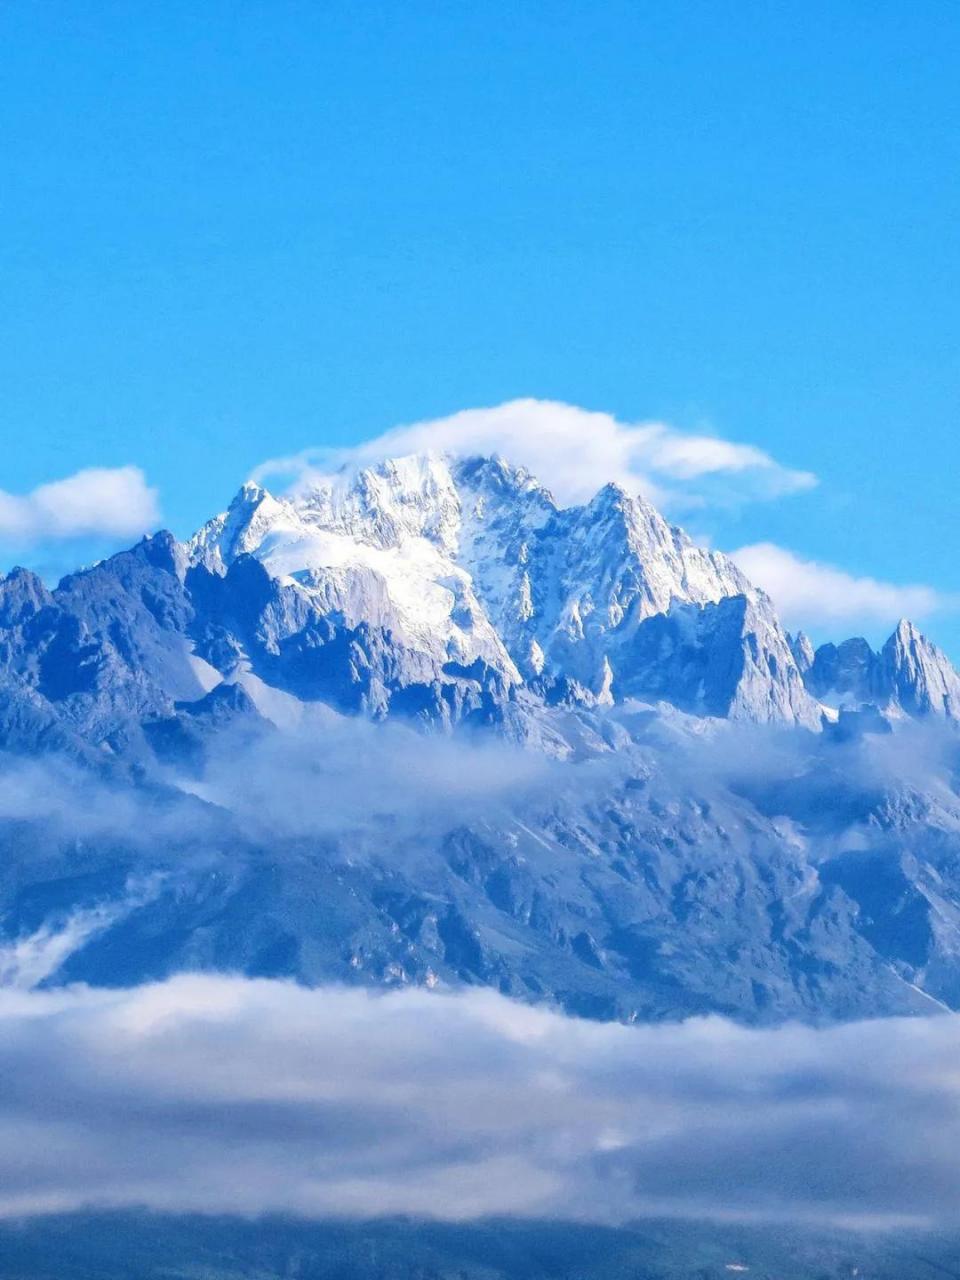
(472, 560)
(702, 815)
(439, 589)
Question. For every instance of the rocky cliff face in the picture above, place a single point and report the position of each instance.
(909, 676)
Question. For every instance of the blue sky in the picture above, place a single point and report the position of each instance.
(235, 231)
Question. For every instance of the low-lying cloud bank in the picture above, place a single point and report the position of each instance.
(224, 1095)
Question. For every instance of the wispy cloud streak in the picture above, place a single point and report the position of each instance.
(575, 452)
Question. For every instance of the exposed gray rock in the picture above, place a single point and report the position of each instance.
(909, 675)
(725, 659)
(802, 649)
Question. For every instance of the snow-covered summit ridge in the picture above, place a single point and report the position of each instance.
(472, 558)
(446, 591)
(467, 509)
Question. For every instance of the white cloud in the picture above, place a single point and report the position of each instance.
(258, 1096)
(807, 592)
(98, 501)
(575, 452)
(26, 961)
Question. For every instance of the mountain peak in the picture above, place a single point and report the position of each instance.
(237, 530)
(496, 472)
(909, 674)
(612, 493)
(467, 559)
(907, 633)
(920, 674)
(802, 649)
(249, 493)
(22, 595)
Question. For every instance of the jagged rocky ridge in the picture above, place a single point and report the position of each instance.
(804, 877)
(909, 676)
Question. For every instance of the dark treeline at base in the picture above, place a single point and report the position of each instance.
(142, 1246)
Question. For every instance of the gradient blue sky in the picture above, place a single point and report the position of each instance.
(231, 231)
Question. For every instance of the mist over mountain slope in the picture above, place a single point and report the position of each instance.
(418, 724)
